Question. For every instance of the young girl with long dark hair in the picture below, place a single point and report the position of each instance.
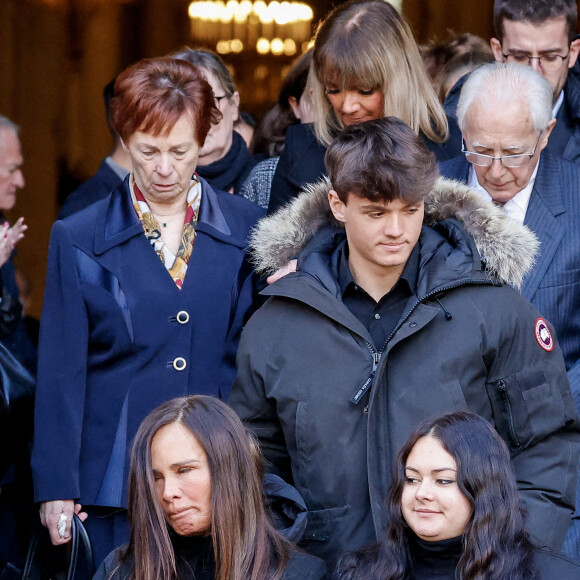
(454, 513)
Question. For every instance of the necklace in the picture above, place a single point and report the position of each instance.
(167, 221)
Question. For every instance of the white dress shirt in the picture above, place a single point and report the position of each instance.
(558, 104)
(517, 206)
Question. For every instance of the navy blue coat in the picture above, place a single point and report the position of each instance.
(114, 326)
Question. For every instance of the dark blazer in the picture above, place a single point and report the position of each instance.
(565, 138)
(19, 342)
(92, 190)
(118, 337)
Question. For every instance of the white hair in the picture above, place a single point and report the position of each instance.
(7, 124)
(503, 83)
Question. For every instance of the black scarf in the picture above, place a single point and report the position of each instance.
(231, 170)
(194, 557)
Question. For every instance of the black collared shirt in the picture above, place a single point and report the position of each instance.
(380, 318)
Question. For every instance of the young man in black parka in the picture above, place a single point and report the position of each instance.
(397, 313)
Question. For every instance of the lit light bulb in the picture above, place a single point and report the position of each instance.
(289, 47)
(237, 45)
(277, 46)
(262, 46)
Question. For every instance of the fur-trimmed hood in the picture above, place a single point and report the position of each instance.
(507, 248)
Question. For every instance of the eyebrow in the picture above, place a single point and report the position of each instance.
(510, 148)
(185, 462)
(147, 145)
(439, 470)
(379, 207)
(545, 51)
(373, 207)
(179, 464)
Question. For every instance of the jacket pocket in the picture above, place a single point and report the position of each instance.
(526, 408)
(322, 524)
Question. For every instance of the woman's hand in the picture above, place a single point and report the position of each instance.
(51, 512)
(16, 232)
(9, 237)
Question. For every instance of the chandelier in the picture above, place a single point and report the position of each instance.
(80, 5)
(278, 28)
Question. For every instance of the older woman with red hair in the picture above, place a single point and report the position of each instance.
(146, 293)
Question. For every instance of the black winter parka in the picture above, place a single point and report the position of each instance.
(330, 412)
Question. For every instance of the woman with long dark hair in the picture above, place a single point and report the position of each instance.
(292, 108)
(195, 503)
(289, 110)
(454, 513)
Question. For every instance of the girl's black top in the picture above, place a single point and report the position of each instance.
(434, 560)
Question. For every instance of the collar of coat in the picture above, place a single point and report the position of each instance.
(507, 249)
(117, 220)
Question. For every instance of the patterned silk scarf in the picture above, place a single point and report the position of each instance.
(176, 264)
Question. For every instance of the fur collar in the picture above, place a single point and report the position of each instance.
(507, 248)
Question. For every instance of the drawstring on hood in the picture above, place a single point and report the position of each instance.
(448, 315)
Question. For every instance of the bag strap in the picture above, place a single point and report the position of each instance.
(79, 537)
(26, 574)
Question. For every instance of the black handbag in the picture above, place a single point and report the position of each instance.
(10, 312)
(17, 387)
(47, 562)
(17, 384)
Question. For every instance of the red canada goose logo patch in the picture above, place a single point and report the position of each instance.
(543, 335)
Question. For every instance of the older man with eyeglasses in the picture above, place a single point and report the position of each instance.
(540, 34)
(505, 116)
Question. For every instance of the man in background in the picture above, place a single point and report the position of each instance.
(16, 504)
(540, 34)
(113, 169)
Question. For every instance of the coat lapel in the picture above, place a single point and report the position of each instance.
(117, 220)
(212, 220)
(309, 165)
(562, 132)
(543, 217)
